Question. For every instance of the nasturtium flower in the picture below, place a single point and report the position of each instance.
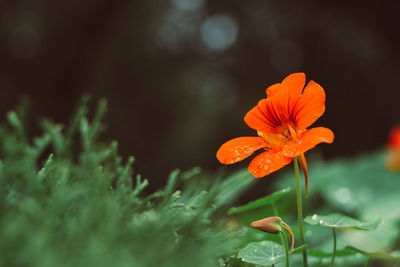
(394, 146)
(394, 138)
(281, 120)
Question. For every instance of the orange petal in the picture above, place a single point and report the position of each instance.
(394, 138)
(262, 117)
(273, 89)
(308, 140)
(292, 86)
(267, 162)
(294, 83)
(238, 149)
(310, 105)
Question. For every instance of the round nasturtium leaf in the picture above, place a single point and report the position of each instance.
(322, 254)
(341, 221)
(264, 253)
(395, 255)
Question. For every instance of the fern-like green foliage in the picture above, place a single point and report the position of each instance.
(67, 199)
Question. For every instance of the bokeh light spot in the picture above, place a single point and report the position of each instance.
(219, 32)
(344, 195)
(188, 5)
(169, 37)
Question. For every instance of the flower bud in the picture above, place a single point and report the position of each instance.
(274, 225)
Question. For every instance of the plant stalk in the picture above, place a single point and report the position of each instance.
(334, 247)
(300, 209)
(283, 235)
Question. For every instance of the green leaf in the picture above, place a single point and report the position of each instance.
(264, 253)
(322, 254)
(340, 221)
(80, 112)
(232, 186)
(272, 198)
(17, 124)
(96, 124)
(299, 249)
(395, 255)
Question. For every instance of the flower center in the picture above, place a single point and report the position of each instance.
(276, 141)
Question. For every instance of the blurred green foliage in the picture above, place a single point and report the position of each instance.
(67, 199)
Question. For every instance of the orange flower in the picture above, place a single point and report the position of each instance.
(281, 122)
(394, 138)
(394, 146)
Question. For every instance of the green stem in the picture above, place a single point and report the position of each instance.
(334, 247)
(300, 209)
(286, 248)
(368, 262)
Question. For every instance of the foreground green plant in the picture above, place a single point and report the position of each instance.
(67, 199)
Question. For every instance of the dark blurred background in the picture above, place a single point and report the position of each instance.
(181, 74)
